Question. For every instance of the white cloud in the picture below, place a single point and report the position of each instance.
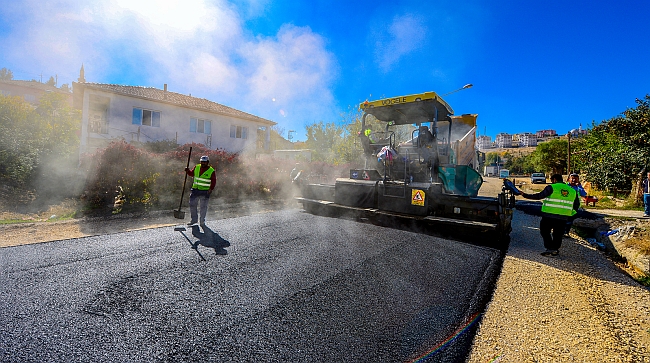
(253, 8)
(196, 46)
(405, 34)
(208, 71)
(288, 67)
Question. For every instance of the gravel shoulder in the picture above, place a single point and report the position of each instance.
(577, 307)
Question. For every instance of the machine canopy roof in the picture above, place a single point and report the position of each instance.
(411, 109)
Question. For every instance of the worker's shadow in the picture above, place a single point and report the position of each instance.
(209, 238)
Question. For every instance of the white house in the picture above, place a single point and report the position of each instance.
(143, 114)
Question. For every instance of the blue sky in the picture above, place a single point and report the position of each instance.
(534, 65)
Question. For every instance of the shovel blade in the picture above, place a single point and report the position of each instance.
(179, 214)
(182, 229)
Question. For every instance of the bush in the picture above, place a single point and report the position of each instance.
(152, 180)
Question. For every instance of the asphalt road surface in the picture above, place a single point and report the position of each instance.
(278, 287)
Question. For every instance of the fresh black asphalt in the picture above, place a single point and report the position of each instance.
(285, 286)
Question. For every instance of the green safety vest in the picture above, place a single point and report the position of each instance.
(561, 201)
(370, 136)
(202, 181)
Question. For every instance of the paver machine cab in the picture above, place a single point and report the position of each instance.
(429, 178)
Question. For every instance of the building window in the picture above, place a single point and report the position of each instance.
(200, 126)
(146, 117)
(238, 132)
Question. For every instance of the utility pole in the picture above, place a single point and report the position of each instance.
(568, 154)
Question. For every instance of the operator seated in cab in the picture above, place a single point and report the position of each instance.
(425, 137)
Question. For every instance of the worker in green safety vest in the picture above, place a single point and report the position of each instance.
(203, 184)
(560, 203)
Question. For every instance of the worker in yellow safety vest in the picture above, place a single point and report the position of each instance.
(560, 203)
(205, 180)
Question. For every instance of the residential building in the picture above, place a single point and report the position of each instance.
(503, 140)
(545, 133)
(135, 113)
(31, 91)
(484, 142)
(527, 139)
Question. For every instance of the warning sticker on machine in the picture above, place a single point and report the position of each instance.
(417, 197)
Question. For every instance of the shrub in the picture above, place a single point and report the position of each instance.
(155, 180)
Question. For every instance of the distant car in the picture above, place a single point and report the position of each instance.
(538, 178)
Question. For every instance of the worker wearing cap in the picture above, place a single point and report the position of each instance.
(205, 180)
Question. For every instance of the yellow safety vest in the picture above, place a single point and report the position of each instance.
(561, 201)
(202, 181)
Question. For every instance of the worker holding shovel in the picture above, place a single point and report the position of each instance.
(204, 182)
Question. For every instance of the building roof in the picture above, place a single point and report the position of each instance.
(34, 85)
(155, 94)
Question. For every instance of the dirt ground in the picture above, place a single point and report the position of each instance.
(39, 229)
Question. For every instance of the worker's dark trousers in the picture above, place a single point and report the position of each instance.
(552, 230)
(198, 197)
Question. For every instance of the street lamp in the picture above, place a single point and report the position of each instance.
(469, 85)
(289, 134)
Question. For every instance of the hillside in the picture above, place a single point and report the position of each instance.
(516, 151)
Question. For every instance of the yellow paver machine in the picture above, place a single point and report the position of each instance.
(426, 174)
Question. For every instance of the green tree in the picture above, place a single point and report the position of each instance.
(491, 157)
(550, 156)
(51, 82)
(278, 142)
(348, 148)
(6, 74)
(321, 138)
(18, 148)
(614, 152)
(519, 165)
(38, 147)
(494, 157)
(59, 126)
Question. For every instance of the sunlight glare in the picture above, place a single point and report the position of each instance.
(181, 15)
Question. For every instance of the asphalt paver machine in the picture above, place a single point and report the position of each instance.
(429, 178)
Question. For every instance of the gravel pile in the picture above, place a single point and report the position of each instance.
(577, 307)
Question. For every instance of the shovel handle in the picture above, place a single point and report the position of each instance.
(185, 182)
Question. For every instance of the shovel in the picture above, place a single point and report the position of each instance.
(177, 213)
